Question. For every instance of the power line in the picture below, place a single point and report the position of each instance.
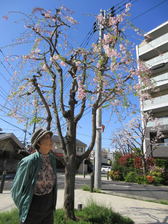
(10, 110)
(7, 81)
(12, 124)
(7, 61)
(3, 91)
(6, 69)
(148, 10)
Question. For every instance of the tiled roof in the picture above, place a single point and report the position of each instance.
(78, 142)
(4, 136)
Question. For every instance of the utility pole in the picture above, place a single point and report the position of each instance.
(97, 176)
(26, 132)
(36, 108)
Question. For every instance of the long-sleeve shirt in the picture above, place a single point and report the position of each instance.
(45, 177)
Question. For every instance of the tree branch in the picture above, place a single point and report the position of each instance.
(63, 145)
(49, 117)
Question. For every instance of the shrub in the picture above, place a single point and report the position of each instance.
(158, 174)
(131, 177)
(138, 162)
(150, 179)
(156, 171)
(161, 163)
(141, 179)
(115, 175)
(158, 180)
(126, 160)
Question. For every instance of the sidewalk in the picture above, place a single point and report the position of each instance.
(139, 211)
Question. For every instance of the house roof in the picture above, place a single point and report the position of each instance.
(4, 136)
(78, 142)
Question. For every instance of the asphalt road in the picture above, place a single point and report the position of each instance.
(116, 188)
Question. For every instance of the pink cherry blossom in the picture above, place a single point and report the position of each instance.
(26, 56)
(47, 15)
(115, 102)
(128, 6)
(54, 57)
(100, 19)
(37, 10)
(77, 63)
(71, 20)
(120, 18)
(108, 38)
(96, 48)
(5, 17)
(112, 21)
(137, 87)
(54, 19)
(113, 66)
(44, 67)
(81, 90)
(110, 51)
(122, 47)
(63, 63)
(35, 51)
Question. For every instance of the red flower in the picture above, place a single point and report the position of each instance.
(138, 162)
(123, 160)
(150, 179)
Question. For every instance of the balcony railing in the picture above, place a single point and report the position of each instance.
(154, 48)
(163, 58)
(160, 102)
(160, 144)
(160, 122)
(159, 150)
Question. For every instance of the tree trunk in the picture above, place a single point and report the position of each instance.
(69, 189)
(144, 166)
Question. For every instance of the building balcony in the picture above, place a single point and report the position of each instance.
(156, 104)
(154, 48)
(159, 150)
(163, 58)
(158, 64)
(160, 121)
(157, 32)
(160, 81)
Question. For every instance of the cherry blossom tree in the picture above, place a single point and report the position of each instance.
(131, 138)
(99, 76)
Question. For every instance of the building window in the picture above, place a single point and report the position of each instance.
(79, 149)
(154, 139)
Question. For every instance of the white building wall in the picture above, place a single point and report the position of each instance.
(153, 51)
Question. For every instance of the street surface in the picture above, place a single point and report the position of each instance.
(115, 188)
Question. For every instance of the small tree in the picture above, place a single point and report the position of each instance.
(100, 76)
(131, 138)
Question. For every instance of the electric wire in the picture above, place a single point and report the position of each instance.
(148, 10)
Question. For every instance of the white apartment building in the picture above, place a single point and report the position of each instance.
(153, 51)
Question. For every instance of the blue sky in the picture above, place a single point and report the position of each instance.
(146, 15)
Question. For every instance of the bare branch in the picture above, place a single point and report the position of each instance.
(63, 145)
(49, 117)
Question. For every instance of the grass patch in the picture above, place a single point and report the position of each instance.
(92, 214)
(163, 202)
(87, 188)
(11, 217)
